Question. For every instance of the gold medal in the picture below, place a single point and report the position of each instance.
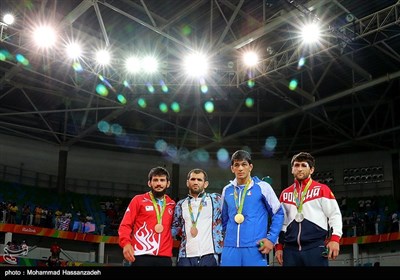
(299, 217)
(239, 218)
(194, 231)
(159, 228)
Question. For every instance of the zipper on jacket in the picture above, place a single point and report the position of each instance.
(298, 237)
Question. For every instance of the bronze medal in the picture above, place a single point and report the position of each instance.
(239, 218)
(299, 217)
(194, 231)
(159, 228)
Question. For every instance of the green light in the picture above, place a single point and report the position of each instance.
(142, 103)
(175, 107)
(101, 90)
(251, 83)
(163, 107)
(293, 84)
(209, 106)
(249, 102)
(121, 99)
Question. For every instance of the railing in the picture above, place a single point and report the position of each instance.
(384, 258)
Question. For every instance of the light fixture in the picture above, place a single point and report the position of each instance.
(8, 19)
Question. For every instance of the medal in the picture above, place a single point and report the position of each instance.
(193, 231)
(299, 217)
(239, 218)
(159, 228)
(299, 198)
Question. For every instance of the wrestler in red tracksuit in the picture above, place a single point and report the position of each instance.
(137, 227)
(321, 215)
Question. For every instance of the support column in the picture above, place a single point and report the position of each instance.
(284, 177)
(101, 252)
(7, 238)
(175, 181)
(92, 256)
(355, 254)
(62, 169)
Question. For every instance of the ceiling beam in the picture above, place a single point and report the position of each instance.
(310, 106)
(72, 16)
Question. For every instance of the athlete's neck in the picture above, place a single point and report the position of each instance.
(195, 195)
(243, 181)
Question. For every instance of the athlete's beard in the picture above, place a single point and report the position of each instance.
(159, 194)
(196, 192)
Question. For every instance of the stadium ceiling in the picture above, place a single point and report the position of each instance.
(346, 100)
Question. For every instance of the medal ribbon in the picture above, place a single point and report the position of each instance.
(156, 207)
(239, 206)
(299, 203)
(194, 222)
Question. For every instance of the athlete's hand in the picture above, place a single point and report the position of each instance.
(333, 250)
(265, 246)
(129, 253)
(279, 256)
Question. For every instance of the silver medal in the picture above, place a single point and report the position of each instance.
(299, 217)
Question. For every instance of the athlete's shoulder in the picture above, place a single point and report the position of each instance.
(325, 190)
(215, 194)
(227, 186)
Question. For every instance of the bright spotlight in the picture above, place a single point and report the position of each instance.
(311, 33)
(8, 19)
(132, 64)
(103, 57)
(250, 59)
(196, 65)
(150, 64)
(74, 50)
(45, 36)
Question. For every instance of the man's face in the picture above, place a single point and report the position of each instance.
(301, 170)
(159, 185)
(241, 169)
(196, 183)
